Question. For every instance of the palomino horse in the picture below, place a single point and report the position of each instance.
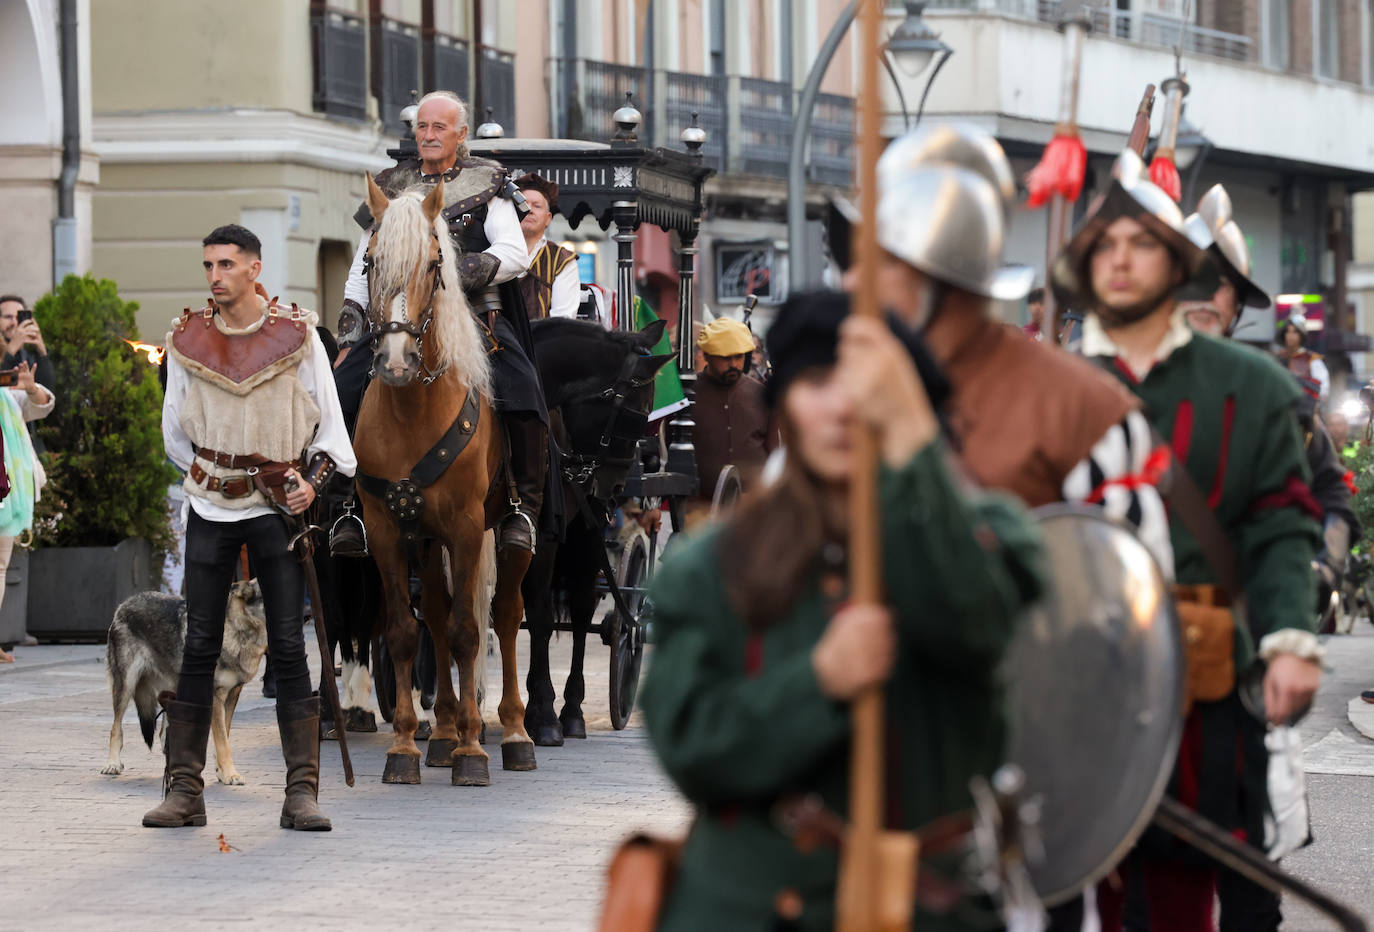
(600, 385)
(430, 471)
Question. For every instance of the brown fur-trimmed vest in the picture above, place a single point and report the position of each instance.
(1025, 413)
(243, 395)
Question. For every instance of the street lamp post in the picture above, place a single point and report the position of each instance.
(913, 44)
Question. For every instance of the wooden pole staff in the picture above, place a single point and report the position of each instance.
(862, 873)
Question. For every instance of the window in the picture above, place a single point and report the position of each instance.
(1276, 20)
(1327, 37)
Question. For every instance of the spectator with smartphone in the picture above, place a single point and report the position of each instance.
(21, 402)
(24, 343)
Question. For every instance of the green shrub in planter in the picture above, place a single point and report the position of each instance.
(107, 473)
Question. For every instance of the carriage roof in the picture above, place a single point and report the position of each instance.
(661, 186)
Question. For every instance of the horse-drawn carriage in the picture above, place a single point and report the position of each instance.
(625, 185)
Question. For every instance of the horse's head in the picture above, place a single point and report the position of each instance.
(603, 384)
(405, 262)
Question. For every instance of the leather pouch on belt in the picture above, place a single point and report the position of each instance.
(638, 882)
(1209, 639)
(270, 480)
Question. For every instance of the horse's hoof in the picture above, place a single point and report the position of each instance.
(547, 736)
(573, 724)
(327, 730)
(402, 768)
(360, 720)
(470, 770)
(441, 752)
(423, 731)
(518, 755)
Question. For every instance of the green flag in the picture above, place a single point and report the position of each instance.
(668, 394)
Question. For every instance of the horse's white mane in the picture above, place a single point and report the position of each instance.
(403, 239)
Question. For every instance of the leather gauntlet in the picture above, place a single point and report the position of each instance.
(353, 326)
(476, 270)
(319, 471)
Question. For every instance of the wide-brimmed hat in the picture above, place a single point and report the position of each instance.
(1133, 195)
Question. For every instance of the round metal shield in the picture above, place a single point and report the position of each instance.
(1095, 680)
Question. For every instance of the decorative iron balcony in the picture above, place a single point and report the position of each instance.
(1145, 28)
(338, 44)
(704, 95)
(395, 69)
(497, 88)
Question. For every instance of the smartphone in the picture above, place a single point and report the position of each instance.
(9, 377)
(24, 315)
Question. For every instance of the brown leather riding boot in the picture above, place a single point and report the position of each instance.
(188, 732)
(299, 723)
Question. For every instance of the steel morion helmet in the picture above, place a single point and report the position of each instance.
(1212, 228)
(944, 205)
(1133, 195)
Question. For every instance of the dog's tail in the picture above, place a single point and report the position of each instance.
(145, 700)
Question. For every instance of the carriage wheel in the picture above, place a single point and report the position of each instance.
(727, 492)
(383, 679)
(627, 635)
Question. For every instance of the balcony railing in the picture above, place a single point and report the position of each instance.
(703, 95)
(396, 69)
(446, 65)
(832, 140)
(338, 44)
(497, 87)
(1145, 28)
(765, 121)
(600, 92)
(747, 131)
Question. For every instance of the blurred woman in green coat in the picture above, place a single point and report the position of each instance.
(757, 654)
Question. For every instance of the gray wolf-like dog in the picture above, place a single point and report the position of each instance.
(143, 658)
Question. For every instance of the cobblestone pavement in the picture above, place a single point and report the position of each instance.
(527, 852)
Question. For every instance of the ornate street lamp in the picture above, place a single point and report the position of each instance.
(914, 45)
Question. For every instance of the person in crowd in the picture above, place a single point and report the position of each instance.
(732, 419)
(22, 403)
(551, 286)
(758, 653)
(1228, 414)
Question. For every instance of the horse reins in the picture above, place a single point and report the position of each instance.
(381, 329)
(579, 468)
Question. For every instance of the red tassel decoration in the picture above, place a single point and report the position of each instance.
(1349, 480)
(1164, 173)
(1061, 170)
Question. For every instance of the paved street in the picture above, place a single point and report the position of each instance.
(526, 852)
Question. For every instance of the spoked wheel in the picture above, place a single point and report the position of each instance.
(627, 634)
(727, 492)
(383, 679)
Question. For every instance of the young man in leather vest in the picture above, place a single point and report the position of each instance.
(251, 415)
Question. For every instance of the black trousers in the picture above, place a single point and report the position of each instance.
(212, 552)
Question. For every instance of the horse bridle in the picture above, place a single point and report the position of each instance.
(581, 468)
(418, 331)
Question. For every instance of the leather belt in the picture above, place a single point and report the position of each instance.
(230, 460)
(229, 486)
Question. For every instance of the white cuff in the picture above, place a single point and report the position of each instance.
(1299, 643)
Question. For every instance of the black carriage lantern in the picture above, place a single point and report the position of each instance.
(626, 184)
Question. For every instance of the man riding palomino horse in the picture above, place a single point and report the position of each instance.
(479, 208)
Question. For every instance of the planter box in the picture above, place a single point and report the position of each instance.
(14, 611)
(73, 591)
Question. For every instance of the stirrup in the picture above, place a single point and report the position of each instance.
(348, 515)
(520, 513)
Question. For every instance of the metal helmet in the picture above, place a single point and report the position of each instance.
(958, 144)
(949, 222)
(1227, 245)
(1133, 195)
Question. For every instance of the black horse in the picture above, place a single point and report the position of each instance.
(598, 385)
